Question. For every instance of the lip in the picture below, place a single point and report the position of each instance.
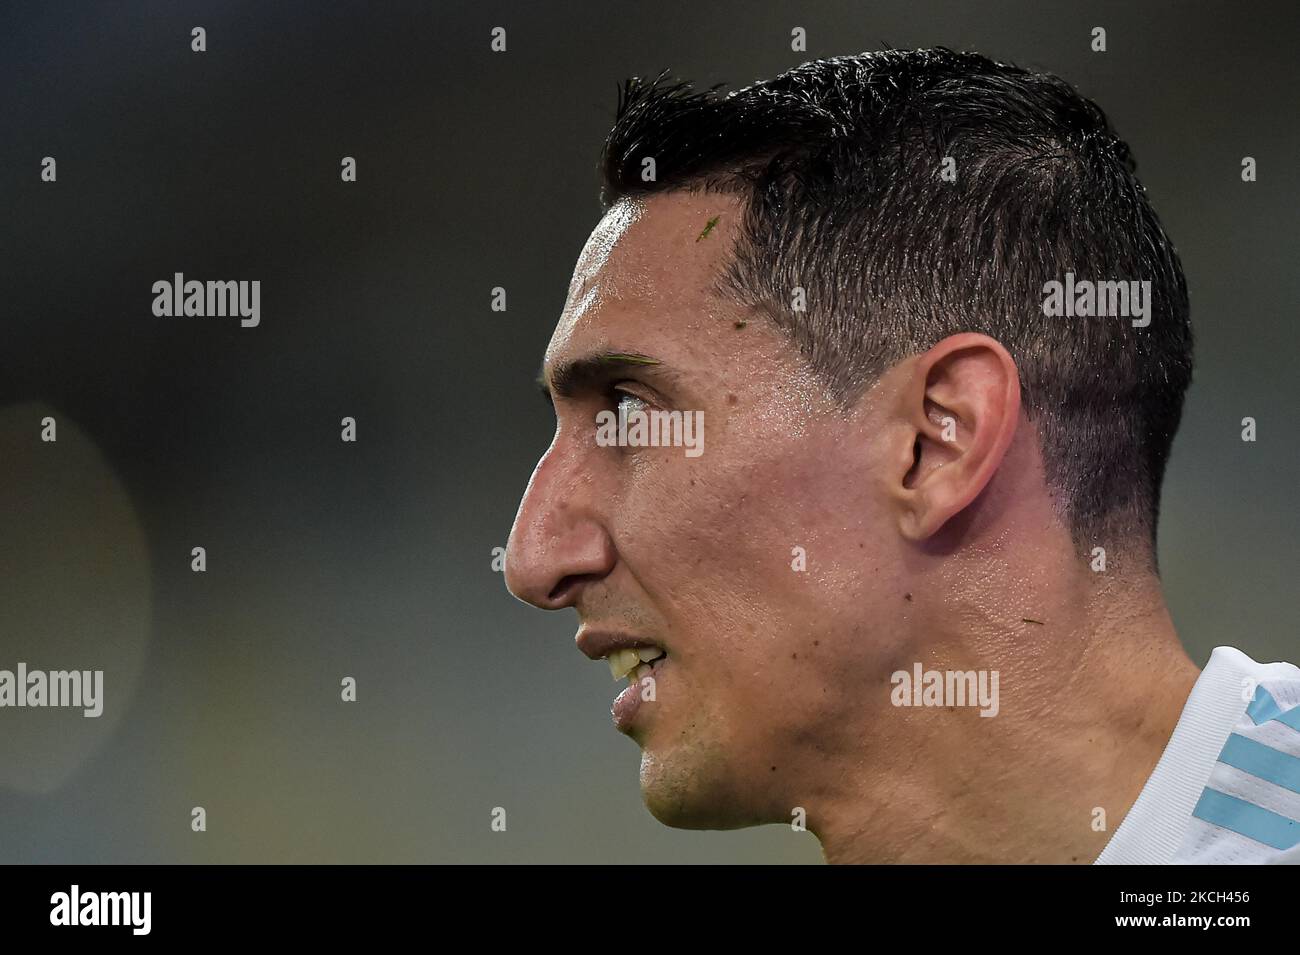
(628, 703)
(598, 644)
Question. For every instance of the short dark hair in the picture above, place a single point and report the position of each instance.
(840, 161)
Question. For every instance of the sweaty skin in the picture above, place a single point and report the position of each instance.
(776, 693)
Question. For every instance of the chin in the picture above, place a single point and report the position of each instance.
(692, 793)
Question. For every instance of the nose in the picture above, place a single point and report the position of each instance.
(559, 543)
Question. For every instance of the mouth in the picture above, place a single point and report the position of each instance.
(642, 667)
(630, 658)
(635, 663)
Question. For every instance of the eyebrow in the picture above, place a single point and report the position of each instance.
(589, 372)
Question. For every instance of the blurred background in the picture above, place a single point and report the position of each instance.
(374, 560)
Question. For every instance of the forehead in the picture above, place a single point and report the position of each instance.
(644, 275)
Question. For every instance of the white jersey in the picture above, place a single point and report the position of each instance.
(1227, 787)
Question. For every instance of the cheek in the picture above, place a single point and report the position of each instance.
(707, 540)
(750, 554)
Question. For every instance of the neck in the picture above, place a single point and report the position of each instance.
(1085, 712)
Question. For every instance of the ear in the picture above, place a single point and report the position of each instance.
(959, 405)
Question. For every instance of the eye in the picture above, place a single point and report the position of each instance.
(629, 410)
(625, 402)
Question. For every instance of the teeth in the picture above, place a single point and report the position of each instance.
(641, 672)
(622, 662)
(631, 661)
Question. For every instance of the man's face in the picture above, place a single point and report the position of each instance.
(763, 567)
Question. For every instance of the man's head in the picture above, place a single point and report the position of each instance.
(906, 459)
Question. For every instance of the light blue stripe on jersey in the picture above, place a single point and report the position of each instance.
(1264, 762)
(1273, 765)
(1247, 819)
(1264, 708)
